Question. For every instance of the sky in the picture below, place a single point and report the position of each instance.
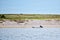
(30, 6)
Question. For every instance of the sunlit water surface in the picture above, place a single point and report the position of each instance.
(29, 33)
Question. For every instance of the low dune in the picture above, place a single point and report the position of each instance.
(30, 24)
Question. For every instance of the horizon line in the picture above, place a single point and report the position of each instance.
(33, 13)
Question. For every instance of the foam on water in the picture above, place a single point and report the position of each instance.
(29, 33)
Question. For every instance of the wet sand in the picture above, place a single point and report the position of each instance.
(31, 24)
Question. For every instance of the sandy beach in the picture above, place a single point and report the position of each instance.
(31, 24)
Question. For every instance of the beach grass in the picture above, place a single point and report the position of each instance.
(30, 16)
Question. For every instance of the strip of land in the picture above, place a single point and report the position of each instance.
(29, 21)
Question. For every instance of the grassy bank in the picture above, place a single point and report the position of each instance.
(29, 16)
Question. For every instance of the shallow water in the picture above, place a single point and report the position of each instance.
(29, 33)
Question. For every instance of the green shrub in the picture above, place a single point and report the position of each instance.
(2, 16)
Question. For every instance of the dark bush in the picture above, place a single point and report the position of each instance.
(2, 16)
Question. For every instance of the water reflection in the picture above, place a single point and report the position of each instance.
(29, 34)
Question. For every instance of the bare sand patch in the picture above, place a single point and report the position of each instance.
(30, 24)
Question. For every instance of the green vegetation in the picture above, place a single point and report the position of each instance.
(2, 17)
(28, 16)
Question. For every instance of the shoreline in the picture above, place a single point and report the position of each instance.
(31, 24)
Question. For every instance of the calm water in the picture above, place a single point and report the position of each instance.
(29, 33)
